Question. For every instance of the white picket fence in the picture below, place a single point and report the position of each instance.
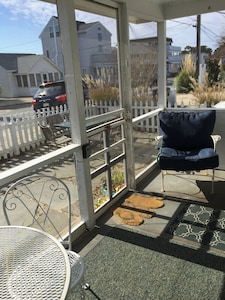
(20, 131)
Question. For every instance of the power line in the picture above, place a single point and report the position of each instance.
(18, 45)
(210, 31)
(210, 34)
(179, 22)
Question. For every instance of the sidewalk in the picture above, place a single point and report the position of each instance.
(10, 103)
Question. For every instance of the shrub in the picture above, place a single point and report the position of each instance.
(101, 90)
(101, 193)
(183, 80)
(207, 93)
(213, 69)
(104, 94)
(141, 93)
(222, 75)
(117, 177)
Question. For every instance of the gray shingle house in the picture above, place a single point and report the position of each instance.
(96, 52)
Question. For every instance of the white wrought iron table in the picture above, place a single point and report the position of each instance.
(33, 265)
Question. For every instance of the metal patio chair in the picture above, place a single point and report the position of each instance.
(44, 202)
(55, 119)
(186, 142)
(53, 138)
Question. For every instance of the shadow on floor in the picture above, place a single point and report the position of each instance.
(216, 199)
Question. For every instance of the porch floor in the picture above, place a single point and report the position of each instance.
(181, 191)
(147, 261)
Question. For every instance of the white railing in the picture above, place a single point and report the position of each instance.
(20, 132)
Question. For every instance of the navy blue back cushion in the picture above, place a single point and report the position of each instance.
(187, 130)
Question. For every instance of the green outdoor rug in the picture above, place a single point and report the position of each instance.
(200, 224)
(130, 266)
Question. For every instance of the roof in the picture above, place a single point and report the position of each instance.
(81, 26)
(145, 39)
(27, 63)
(9, 60)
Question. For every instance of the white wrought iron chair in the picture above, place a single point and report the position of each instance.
(44, 202)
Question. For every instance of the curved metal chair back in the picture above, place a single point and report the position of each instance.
(44, 202)
(40, 201)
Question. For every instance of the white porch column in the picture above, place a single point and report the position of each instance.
(68, 33)
(161, 30)
(125, 88)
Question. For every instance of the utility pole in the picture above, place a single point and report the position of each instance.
(198, 45)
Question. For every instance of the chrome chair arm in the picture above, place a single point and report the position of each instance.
(216, 138)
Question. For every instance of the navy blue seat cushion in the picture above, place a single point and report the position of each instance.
(187, 144)
(187, 130)
(178, 160)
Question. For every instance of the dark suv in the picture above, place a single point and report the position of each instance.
(53, 94)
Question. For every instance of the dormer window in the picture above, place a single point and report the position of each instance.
(54, 31)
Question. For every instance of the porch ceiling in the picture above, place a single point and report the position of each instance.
(152, 10)
(159, 10)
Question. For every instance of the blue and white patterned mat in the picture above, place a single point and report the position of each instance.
(200, 224)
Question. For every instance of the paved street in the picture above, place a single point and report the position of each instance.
(7, 103)
(18, 103)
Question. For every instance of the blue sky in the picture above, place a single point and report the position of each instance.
(22, 21)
